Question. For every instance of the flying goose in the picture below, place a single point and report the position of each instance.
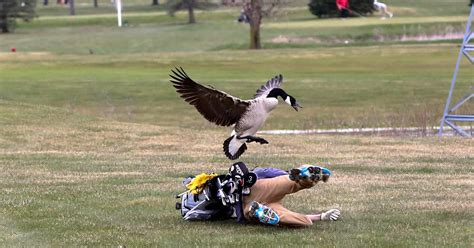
(225, 110)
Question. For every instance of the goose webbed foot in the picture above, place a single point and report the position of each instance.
(261, 140)
(250, 139)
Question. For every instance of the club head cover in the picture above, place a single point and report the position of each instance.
(238, 170)
(250, 179)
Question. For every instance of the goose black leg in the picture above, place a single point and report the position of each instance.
(251, 138)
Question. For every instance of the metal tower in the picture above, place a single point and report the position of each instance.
(448, 116)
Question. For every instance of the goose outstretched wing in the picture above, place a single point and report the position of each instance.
(215, 105)
(273, 83)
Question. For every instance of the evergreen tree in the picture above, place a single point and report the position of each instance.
(361, 7)
(10, 10)
(328, 8)
(323, 8)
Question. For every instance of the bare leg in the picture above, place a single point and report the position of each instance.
(314, 217)
(290, 218)
(274, 189)
(271, 191)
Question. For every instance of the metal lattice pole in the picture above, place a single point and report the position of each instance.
(449, 118)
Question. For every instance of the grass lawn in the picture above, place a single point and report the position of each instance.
(338, 87)
(94, 142)
(69, 179)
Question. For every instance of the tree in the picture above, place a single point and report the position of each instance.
(176, 5)
(72, 8)
(10, 10)
(255, 10)
(189, 5)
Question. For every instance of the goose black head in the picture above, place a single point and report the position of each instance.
(277, 92)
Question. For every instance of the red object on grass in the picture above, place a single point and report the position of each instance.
(13, 49)
(342, 4)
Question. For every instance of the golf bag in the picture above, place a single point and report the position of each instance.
(205, 205)
(219, 196)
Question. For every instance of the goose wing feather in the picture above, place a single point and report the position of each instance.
(214, 105)
(273, 83)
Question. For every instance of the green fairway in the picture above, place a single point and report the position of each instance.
(95, 142)
(68, 180)
(409, 91)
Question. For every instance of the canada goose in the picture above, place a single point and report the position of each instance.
(225, 110)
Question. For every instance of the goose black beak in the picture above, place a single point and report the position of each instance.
(296, 106)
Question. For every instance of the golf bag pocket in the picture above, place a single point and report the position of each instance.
(202, 206)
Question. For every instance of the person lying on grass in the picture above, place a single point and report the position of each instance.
(252, 197)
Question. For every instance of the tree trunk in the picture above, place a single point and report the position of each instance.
(96, 3)
(155, 2)
(191, 18)
(72, 8)
(255, 14)
(4, 24)
(255, 36)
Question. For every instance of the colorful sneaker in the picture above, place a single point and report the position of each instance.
(263, 213)
(314, 173)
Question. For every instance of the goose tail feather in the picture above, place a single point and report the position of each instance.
(234, 147)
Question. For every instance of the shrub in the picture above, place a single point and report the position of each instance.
(10, 10)
(363, 7)
(328, 8)
(323, 8)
